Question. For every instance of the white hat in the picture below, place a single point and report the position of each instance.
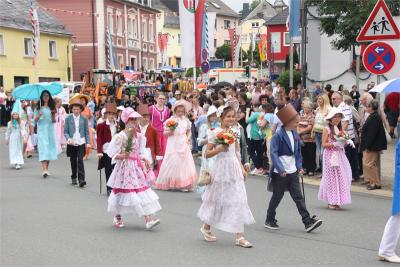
(103, 110)
(332, 112)
(211, 110)
(121, 108)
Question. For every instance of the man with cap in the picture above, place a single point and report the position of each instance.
(286, 165)
(105, 131)
(153, 146)
(76, 132)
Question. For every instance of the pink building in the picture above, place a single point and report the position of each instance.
(132, 26)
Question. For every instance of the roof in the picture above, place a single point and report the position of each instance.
(165, 5)
(15, 14)
(221, 8)
(171, 22)
(279, 19)
(264, 10)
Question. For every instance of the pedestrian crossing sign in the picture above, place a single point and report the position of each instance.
(380, 25)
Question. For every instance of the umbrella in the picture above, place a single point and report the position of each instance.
(221, 84)
(387, 87)
(34, 90)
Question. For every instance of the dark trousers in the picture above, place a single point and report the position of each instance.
(195, 147)
(108, 168)
(291, 183)
(352, 156)
(309, 151)
(256, 152)
(75, 154)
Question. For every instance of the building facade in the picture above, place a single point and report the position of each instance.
(53, 60)
(132, 28)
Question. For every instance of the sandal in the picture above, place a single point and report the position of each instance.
(331, 207)
(118, 223)
(208, 236)
(242, 242)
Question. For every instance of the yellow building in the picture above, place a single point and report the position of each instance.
(53, 62)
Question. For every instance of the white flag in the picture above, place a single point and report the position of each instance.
(211, 16)
(186, 21)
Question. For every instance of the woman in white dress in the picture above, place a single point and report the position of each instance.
(15, 135)
(225, 200)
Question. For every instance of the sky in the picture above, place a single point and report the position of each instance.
(237, 5)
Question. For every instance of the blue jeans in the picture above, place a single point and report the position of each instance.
(318, 142)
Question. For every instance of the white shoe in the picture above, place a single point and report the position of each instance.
(153, 223)
(253, 172)
(17, 166)
(393, 259)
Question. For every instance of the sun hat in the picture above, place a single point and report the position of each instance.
(332, 112)
(212, 110)
(129, 113)
(75, 102)
(183, 103)
(79, 96)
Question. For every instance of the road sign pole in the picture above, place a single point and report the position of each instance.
(378, 81)
(291, 64)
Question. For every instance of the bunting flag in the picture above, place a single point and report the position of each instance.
(186, 22)
(35, 33)
(262, 47)
(162, 46)
(110, 51)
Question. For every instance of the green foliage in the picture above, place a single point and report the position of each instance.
(295, 59)
(223, 52)
(254, 4)
(189, 72)
(347, 19)
(256, 55)
(284, 78)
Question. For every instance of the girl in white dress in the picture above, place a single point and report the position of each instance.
(14, 138)
(225, 200)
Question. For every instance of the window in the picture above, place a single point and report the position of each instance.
(1, 45)
(151, 31)
(20, 80)
(52, 49)
(144, 30)
(119, 24)
(145, 63)
(110, 22)
(215, 42)
(286, 39)
(135, 28)
(130, 28)
(133, 63)
(1, 80)
(228, 42)
(276, 42)
(151, 63)
(48, 79)
(120, 59)
(255, 24)
(28, 47)
(179, 38)
(227, 24)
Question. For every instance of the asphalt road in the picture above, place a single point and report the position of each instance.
(48, 222)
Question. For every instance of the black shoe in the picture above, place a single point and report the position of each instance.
(318, 170)
(272, 225)
(373, 187)
(82, 184)
(313, 224)
(108, 192)
(74, 182)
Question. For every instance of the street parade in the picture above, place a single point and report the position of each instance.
(154, 146)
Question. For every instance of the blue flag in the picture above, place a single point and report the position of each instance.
(294, 18)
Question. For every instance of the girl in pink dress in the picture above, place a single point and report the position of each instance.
(336, 172)
(130, 179)
(59, 125)
(177, 169)
(159, 113)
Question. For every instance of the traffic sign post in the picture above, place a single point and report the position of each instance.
(380, 25)
(379, 58)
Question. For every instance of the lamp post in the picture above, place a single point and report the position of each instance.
(357, 50)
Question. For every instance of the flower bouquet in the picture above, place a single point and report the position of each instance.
(342, 136)
(225, 138)
(171, 124)
(129, 142)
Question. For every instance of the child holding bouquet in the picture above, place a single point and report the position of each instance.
(130, 179)
(177, 170)
(225, 204)
(336, 172)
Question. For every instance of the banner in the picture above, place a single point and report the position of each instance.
(199, 30)
(262, 47)
(294, 18)
(238, 47)
(211, 16)
(110, 55)
(162, 46)
(186, 22)
(35, 33)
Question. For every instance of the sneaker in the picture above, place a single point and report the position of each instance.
(273, 225)
(260, 171)
(313, 224)
(253, 172)
(17, 166)
(153, 223)
(118, 223)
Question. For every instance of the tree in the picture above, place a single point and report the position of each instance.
(284, 79)
(223, 52)
(295, 59)
(189, 72)
(254, 4)
(347, 19)
(256, 54)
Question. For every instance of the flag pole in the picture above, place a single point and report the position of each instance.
(291, 64)
(194, 69)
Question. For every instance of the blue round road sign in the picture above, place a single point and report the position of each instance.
(205, 66)
(378, 58)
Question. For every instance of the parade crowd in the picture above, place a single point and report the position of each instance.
(149, 142)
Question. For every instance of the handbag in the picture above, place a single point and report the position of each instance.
(204, 178)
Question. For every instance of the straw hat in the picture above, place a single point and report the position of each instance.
(332, 112)
(287, 114)
(111, 108)
(79, 96)
(143, 109)
(75, 102)
(183, 103)
(129, 113)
